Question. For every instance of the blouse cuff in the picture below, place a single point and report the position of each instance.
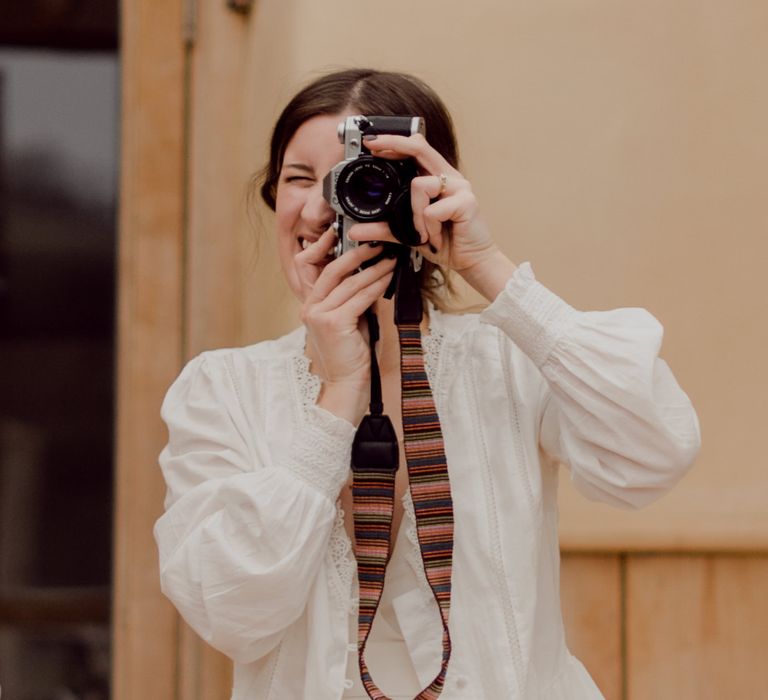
(530, 314)
(321, 452)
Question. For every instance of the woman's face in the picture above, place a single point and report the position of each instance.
(302, 214)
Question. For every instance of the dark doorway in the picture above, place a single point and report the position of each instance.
(59, 89)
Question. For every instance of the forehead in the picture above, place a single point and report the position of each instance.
(316, 140)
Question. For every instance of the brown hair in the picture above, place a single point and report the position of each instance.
(367, 91)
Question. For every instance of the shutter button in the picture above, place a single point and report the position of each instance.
(461, 682)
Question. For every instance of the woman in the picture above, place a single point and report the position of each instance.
(255, 545)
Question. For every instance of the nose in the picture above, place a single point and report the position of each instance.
(317, 213)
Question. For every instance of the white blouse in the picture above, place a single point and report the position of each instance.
(253, 550)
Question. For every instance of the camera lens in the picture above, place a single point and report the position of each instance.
(366, 188)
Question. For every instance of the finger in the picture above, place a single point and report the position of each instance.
(356, 284)
(357, 305)
(396, 147)
(372, 231)
(310, 259)
(424, 190)
(318, 250)
(435, 228)
(457, 208)
(340, 268)
(427, 190)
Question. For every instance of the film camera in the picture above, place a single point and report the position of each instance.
(365, 188)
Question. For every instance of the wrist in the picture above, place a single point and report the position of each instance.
(346, 400)
(490, 273)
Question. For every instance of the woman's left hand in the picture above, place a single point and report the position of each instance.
(445, 212)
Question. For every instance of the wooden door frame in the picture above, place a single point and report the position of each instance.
(150, 338)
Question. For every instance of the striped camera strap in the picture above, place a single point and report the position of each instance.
(375, 458)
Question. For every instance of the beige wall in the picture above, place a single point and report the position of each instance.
(620, 147)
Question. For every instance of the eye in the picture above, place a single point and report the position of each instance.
(299, 179)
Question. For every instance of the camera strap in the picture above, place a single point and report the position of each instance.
(375, 458)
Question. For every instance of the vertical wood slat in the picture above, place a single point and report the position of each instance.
(592, 608)
(204, 673)
(697, 627)
(217, 178)
(149, 336)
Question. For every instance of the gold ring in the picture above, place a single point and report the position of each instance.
(443, 182)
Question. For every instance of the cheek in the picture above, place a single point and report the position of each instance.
(287, 211)
(287, 214)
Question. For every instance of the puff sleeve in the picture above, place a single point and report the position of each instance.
(611, 409)
(242, 537)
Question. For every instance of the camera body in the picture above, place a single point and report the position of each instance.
(365, 188)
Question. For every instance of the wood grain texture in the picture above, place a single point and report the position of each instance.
(697, 627)
(149, 337)
(217, 173)
(591, 602)
(204, 673)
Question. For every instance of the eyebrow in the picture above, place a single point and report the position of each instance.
(300, 166)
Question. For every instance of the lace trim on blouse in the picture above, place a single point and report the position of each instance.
(307, 383)
(339, 545)
(321, 449)
(340, 553)
(433, 345)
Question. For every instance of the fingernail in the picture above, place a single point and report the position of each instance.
(370, 137)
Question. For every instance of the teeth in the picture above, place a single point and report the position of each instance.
(304, 243)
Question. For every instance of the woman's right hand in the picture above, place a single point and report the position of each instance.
(336, 297)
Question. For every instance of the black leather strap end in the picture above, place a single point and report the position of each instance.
(375, 445)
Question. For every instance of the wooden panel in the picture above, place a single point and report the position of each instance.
(217, 180)
(591, 598)
(204, 673)
(697, 627)
(217, 233)
(149, 342)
